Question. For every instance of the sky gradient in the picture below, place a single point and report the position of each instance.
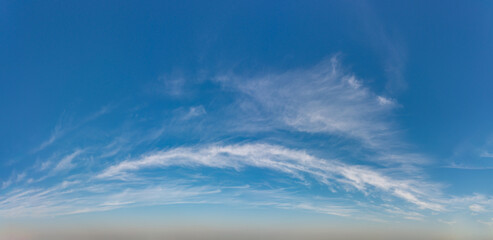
(246, 119)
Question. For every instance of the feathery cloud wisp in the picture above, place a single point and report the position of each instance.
(66, 162)
(298, 164)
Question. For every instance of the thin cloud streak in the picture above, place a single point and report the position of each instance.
(65, 198)
(298, 164)
(66, 162)
(63, 127)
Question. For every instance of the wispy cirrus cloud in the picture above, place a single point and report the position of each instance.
(56, 133)
(100, 192)
(194, 112)
(319, 99)
(488, 222)
(15, 177)
(66, 162)
(296, 163)
(79, 196)
(486, 154)
(65, 125)
(476, 208)
(476, 203)
(72, 197)
(324, 99)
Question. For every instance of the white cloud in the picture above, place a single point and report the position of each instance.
(65, 125)
(172, 86)
(487, 223)
(447, 222)
(56, 133)
(45, 165)
(65, 198)
(195, 112)
(476, 208)
(14, 178)
(384, 101)
(413, 218)
(330, 210)
(7, 183)
(318, 99)
(486, 154)
(296, 163)
(75, 197)
(20, 176)
(323, 99)
(398, 211)
(66, 162)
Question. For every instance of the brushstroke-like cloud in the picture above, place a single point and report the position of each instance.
(295, 163)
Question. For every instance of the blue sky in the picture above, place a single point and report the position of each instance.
(354, 112)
